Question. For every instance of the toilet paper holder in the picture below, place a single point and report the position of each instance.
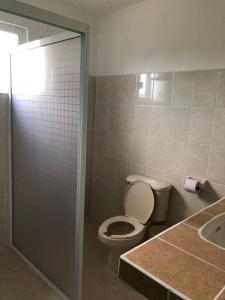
(194, 185)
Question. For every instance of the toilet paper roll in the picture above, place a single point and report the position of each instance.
(192, 185)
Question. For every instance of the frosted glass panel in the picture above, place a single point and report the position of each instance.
(45, 137)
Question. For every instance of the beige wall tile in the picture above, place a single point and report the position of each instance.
(3, 210)
(111, 169)
(176, 208)
(126, 118)
(142, 119)
(91, 89)
(125, 146)
(156, 152)
(175, 157)
(162, 89)
(191, 204)
(154, 173)
(177, 181)
(182, 89)
(101, 89)
(138, 168)
(118, 117)
(98, 169)
(201, 125)
(205, 88)
(90, 140)
(113, 116)
(117, 170)
(216, 171)
(100, 141)
(91, 115)
(3, 237)
(3, 177)
(4, 206)
(218, 137)
(112, 143)
(218, 189)
(211, 192)
(179, 119)
(124, 170)
(144, 89)
(160, 122)
(118, 145)
(88, 194)
(129, 83)
(89, 157)
(141, 148)
(101, 116)
(197, 160)
(220, 102)
(134, 134)
(114, 86)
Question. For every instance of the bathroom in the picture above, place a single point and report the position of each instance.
(155, 85)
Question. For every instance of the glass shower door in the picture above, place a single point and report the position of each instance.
(45, 143)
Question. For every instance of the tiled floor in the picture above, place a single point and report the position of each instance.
(18, 281)
(98, 282)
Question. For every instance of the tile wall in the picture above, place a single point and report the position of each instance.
(90, 142)
(4, 218)
(165, 125)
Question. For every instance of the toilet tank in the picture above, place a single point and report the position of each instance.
(161, 192)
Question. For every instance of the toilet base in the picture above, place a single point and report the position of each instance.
(113, 260)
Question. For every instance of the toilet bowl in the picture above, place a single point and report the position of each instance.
(145, 199)
(121, 232)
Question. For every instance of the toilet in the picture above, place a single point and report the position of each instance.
(146, 201)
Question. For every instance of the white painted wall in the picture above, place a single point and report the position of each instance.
(60, 7)
(162, 35)
(152, 35)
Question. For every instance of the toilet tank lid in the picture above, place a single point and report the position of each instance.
(156, 184)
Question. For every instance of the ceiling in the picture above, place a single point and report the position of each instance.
(100, 6)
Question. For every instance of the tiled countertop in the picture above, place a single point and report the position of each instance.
(183, 263)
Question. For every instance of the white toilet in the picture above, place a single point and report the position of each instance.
(146, 200)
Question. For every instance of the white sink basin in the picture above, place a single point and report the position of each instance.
(214, 231)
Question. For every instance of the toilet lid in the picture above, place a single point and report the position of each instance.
(139, 201)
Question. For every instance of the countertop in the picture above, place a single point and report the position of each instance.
(181, 262)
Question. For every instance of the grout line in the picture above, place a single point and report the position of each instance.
(186, 224)
(172, 89)
(213, 128)
(188, 131)
(202, 260)
(219, 294)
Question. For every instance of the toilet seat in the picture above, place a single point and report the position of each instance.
(139, 201)
(138, 228)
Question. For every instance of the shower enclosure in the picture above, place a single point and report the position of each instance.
(48, 139)
(45, 140)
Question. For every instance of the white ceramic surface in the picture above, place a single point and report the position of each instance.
(214, 231)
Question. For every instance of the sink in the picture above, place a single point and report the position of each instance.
(214, 231)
